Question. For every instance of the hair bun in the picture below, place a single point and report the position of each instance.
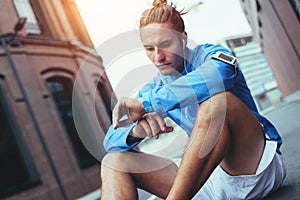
(159, 3)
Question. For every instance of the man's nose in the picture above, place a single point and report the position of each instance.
(159, 55)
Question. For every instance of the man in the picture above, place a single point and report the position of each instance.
(232, 153)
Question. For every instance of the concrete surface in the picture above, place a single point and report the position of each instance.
(286, 118)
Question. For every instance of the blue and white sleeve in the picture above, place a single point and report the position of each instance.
(115, 140)
(207, 79)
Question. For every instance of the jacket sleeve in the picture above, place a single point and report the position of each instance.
(208, 78)
(115, 139)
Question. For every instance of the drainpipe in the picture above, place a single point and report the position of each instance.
(30, 111)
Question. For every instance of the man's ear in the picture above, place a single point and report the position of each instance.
(184, 38)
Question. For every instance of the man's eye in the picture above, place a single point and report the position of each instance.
(149, 48)
(164, 45)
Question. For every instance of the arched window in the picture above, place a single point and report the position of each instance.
(107, 99)
(24, 9)
(17, 170)
(61, 88)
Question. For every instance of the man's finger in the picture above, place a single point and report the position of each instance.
(146, 127)
(115, 116)
(168, 129)
(115, 122)
(156, 136)
(118, 113)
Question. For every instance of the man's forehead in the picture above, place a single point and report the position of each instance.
(154, 29)
(160, 26)
(158, 34)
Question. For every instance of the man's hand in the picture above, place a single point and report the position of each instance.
(131, 107)
(151, 125)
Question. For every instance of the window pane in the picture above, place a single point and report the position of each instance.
(24, 10)
(13, 171)
(106, 98)
(61, 90)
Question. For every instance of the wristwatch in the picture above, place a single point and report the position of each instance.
(147, 106)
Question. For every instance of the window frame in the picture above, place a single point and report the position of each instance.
(66, 75)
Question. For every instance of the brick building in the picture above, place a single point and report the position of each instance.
(42, 155)
(276, 26)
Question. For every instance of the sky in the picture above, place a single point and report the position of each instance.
(111, 20)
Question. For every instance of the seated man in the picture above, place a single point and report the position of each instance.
(232, 153)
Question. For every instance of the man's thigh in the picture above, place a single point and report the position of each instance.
(228, 116)
(247, 138)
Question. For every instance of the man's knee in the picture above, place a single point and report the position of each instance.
(236, 109)
(222, 103)
(215, 107)
(233, 103)
(112, 161)
(220, 109)
(129, 162)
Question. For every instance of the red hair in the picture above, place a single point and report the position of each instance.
(163, 13)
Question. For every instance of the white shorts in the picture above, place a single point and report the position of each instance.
(269, 176)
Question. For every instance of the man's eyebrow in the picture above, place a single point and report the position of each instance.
(160, 43)
(166, 41)
(147, 45)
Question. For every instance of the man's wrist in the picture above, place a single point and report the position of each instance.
(132, 139)
(140, 102)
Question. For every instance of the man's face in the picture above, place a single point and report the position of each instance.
(164, 47)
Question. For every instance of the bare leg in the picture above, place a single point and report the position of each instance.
(225, 133)
(123, 173)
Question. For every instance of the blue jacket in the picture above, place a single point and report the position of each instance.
(178, 96)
